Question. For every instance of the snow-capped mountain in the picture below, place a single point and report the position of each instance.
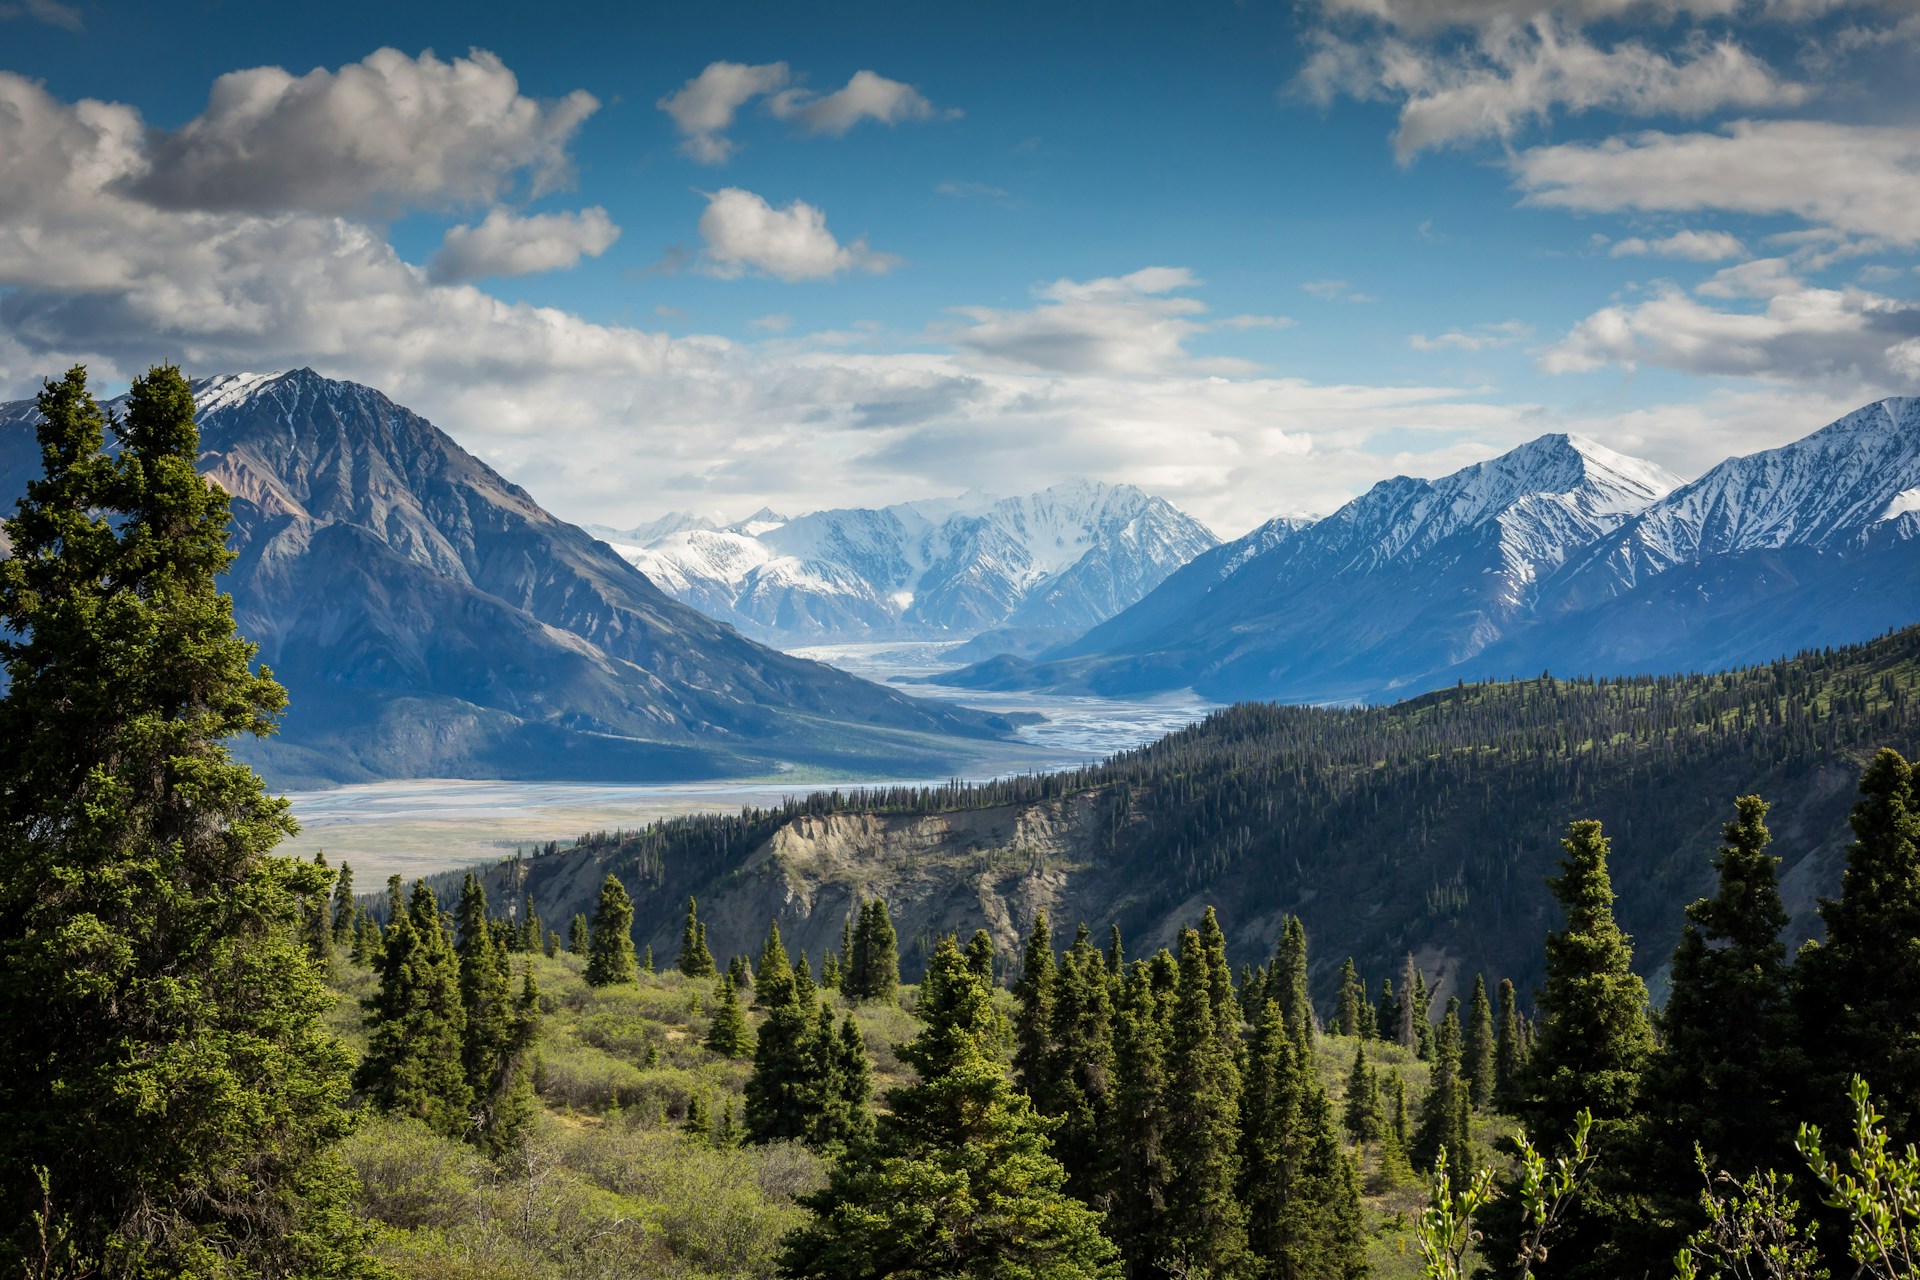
(429, 618)
(1412, 577)
(1064, 558)
(1846, 487)
(1560, 555)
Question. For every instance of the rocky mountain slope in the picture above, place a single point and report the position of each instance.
(429, 618)
(1394, 590)
(1065, 558)
(1427, 826)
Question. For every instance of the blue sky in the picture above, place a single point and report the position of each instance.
(1253, 257)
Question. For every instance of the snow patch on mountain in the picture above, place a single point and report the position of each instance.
(1065, 558)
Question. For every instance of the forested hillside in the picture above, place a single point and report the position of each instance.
(1427, 826)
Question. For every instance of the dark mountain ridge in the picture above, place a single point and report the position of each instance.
(429, 618)
(1427, 826)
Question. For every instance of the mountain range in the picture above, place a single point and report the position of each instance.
(1054, 562)
(429, 618)
(1561, 554)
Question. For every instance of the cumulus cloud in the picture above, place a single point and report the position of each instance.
(867, 96)
(506, 244)
(703, 108)
(1137, 323)
(384, 133)
(51, 12)
(1859, 180)
(1435, 15)
(1512, 75)
(1504, 334)
(1833, 337)
(1694, 246)
(743, 233)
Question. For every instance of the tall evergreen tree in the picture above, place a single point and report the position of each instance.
(1444, 1111)
(958, 1181)
(1593, 1042)
(610, 957)
(1508, 1048)
(1213, 944)
(577, 935)
(1301, 1192)
(1477, 1047)
(1287, 984)
(414, 1064)
(1858, 992)
(1352, 1000)
(165, 1059)
(1205, 1225)
(1079, 1071)
(1033, 1016)
(695, 960)
(316, 921)
(1143, 1166)
(1386, 1014)
(495, 1031)
(1365, 1114)
(774, 983)
(980, 955)
(875, 971)
(1407, 1011)
(1720, 1079)
(729, 1035)
(344, 908)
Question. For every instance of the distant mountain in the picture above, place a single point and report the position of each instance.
(430, 619)
(1063, 559)
(1393, 591)
(652, 530)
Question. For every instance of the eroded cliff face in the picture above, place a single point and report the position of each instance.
(939, 873)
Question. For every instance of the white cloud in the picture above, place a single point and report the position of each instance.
(1114, 325)
(1694, 246)
(1860, 180)
(1336, 291)
(1428, 16)
(51, 12)
(744, 233)
(1832, 338)
(704, 107)
(1255, 322)
(867, 96)
(387, 132)
(1504, 334)
(1511, 75)
(1761, 278)
(778, 322)
(506, 244)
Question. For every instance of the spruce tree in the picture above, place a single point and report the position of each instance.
(784, 1094)
(980, 955)
(1033, 1016)
(1593, 1041)
(958, 1180)
(1226, 1006)
(1858, 992)
(774, 983)
(610, 957)
(1204, 1226)
(729, 1036)
(646, 960)
(695, 960)
(1299, 1187)
(577, 935)
(1079, 1070)
(1352, 999)
(1407, 1009)
(1508, 1050)
(1386, 1015)
(316, 920)
(1116, 954)
(165, 1059)
(1423, 1016)
(1364, 1113)
(1143, 1171)
(875, 971)
(416, 1022)
(1287, 984)
(853, 1082)
(1477, 1047)
(344, 909)
(494, 1034)
(1720, 1077)
(531, 930)
(1443, 1112)
(830, 972)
